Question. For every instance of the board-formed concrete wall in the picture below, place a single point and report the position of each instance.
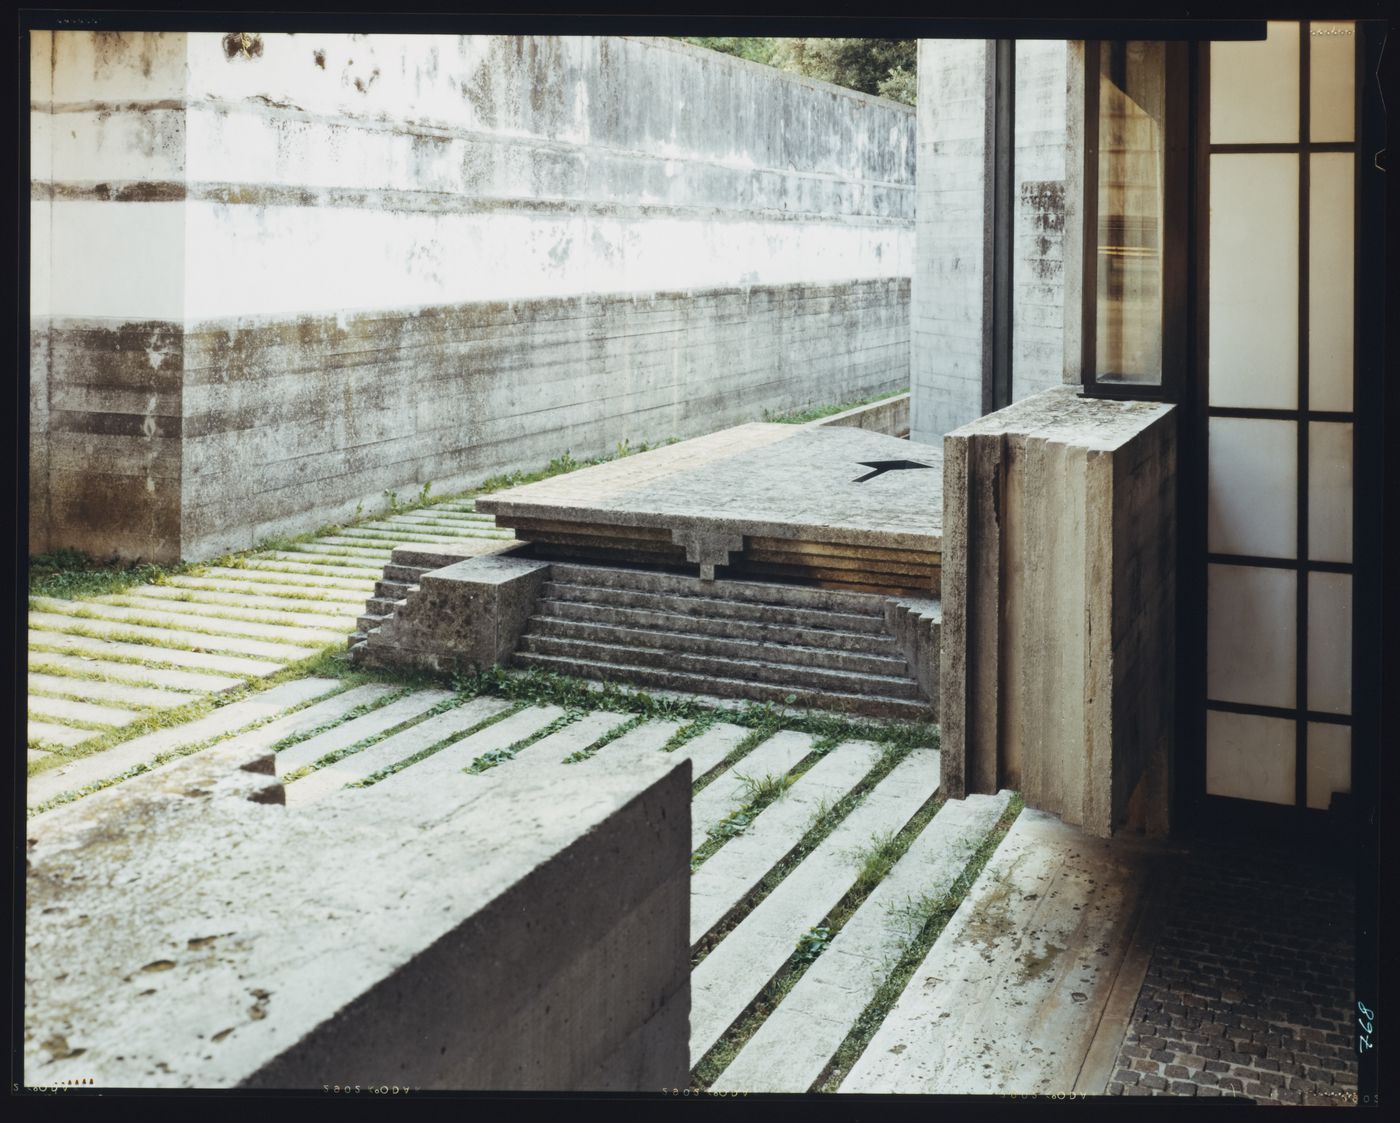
(950, 310)
(1059, 594)
(276, 276)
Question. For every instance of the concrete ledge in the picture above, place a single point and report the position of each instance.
(505, 931)
(889, 416)
(465, 616)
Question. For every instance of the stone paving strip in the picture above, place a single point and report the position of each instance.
(72, 712)
(454, 759)
(731, 976)
(258, 606)
(284, 616)
(45, 733)
(777, 756)
(126, 632)
(197, 624)
(737, 867)
(143, 750)
(362, 728)
(793, 1046)
(1013, 988)
(211, 582)
(276, 573)
(121, 693)
(366, 762)
(574, 737)
(75, 667)
(39, 640)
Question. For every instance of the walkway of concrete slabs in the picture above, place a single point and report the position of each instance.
(106, 663)
(1047, 930)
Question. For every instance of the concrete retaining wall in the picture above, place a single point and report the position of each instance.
(1059, 583)
(275, 277)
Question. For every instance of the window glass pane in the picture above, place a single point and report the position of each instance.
(1331, 253)
(1254, 89)
(1251, 635)
(1329, 762)
(1254, 280)
(1329, 642)
(1131, 176)
(1332, 88)
(1253, 493)
(1329, 491)
(1249, 757)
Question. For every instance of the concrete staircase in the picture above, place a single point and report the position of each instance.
(398, 581)
(735, 639)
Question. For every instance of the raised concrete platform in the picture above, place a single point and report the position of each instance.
(827, 506)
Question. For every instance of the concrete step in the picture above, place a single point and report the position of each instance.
(362, 728)
(713, 606)
(795, 1043)
(394, 590)
(223, 722)
(382, 606)
(49, 662)
(369, 622)
(861, 705)
(447, 765)
(62, 711)
(120, 693)
(745, 592)
(814, 634)
(777, 756)
(1010, 996)
(363, 764)
(791, 676)
(176, 657)
(198, 623)
(730, 977)
(681, 641)
(734, 870)
(124, 632)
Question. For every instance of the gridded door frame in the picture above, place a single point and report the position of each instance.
(1194, 474)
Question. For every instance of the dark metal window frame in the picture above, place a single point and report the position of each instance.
(1175, 219)
(1196, 558)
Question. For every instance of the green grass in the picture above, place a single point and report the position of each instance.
(495, 757)
(72, 574)
(815, 413)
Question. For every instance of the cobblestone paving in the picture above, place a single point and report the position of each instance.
(1249, 991)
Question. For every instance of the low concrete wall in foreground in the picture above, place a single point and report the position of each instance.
(1059, 593)
(184, 930)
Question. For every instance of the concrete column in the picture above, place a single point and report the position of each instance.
(948, 294)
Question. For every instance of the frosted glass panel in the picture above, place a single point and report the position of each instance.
(1331, 249)
(1254, 89)
(1251, 635)
(1253, 493)
(1329, 491)
(1332, 92)
(1249, 757)
(1329, 642)
(1329, 762)
(1254, 280)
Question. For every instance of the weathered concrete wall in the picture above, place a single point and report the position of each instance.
(373, 261)
(950, 309)
(951, 286)
(472, 933)
(1059, 608)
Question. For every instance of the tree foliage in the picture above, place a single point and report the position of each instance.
(886, 67)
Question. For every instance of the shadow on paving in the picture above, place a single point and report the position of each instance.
(1249, 988)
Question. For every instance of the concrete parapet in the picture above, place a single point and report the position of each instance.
(465, 616)
(889, 416)
(511, 931)
(1057, 673)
